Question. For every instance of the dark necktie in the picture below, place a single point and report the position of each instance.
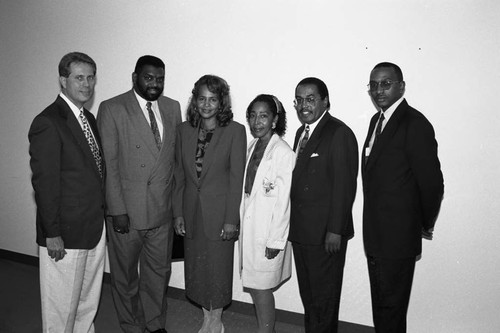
(304, 140)
(378, 130)
(91, 141)
(154, 125)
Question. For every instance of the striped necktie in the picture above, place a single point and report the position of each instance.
(154, 125)
(304, 140)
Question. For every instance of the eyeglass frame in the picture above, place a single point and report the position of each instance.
(381, 84)
(308, 100)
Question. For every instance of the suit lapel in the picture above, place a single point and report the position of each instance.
(264, 166)
(311, 145)
(140, 123)
(191, 147)
(297, 137)
(77, 131)
(371, 128)
(387, 134)
(210, 152)
(168, 129)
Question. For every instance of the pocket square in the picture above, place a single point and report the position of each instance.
(314, 155)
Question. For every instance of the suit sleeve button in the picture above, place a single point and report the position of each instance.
(306, 188)
(137, 146)
(149, 183)
(143, 165)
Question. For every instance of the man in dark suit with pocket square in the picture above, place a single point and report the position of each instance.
(403, 188)
(322, 195)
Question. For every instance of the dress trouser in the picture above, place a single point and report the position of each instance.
(140, 295)
(320, 284)
(70, 289)
(390, 283)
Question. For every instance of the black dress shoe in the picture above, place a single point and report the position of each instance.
(161, 330)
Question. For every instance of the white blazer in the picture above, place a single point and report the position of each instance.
(265, 217)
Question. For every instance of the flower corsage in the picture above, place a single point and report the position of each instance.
(268, 185)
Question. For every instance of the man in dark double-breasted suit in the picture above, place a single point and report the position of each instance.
(403, 188)
(322, 195)
(68, 171)
(138, 138)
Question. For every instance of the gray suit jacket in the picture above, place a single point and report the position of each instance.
(139, 176)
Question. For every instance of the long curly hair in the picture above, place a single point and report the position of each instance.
(215, 85)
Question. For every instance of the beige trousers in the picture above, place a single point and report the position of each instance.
(71, 288)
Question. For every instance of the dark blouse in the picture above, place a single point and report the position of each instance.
(204, 138)
(253, 164)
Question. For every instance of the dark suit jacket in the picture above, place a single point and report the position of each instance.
(68, 188)
(324, 183)
(218, 191)
(403, 185)
(139, 177)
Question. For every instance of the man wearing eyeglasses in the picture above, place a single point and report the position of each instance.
(322, 194)
(403, 188)
(138, 140)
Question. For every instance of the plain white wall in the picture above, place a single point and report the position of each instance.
(448, 52)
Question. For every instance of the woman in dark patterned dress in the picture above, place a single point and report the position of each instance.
(210, 162)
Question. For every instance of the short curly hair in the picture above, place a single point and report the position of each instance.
(215, 85)
(277, 109)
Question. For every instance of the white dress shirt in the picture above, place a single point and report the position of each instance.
(154, 107)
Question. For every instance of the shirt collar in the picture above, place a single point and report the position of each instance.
(76, 111)
(388, 113)
(313, 125)
(143, 102)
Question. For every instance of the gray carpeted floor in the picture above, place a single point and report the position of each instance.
(20, 308)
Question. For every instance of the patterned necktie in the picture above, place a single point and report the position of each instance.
(154, 125)
(304, 140)
(91, 141)
(378, 130)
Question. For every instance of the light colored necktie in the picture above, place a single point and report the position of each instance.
(154, 125)
(304, 140)
(91, 141)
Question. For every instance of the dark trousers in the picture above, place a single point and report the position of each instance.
(320, 284)
(140, 297)
(390, 282)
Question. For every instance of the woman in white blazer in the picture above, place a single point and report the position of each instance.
(265, 255)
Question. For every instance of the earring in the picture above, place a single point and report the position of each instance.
(274, 125)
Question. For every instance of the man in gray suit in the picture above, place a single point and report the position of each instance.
(138, 139)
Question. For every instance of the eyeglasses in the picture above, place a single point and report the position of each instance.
(384, 85)
(298, 101)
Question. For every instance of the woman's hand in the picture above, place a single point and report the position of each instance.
(179, 226)
(230, 232)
